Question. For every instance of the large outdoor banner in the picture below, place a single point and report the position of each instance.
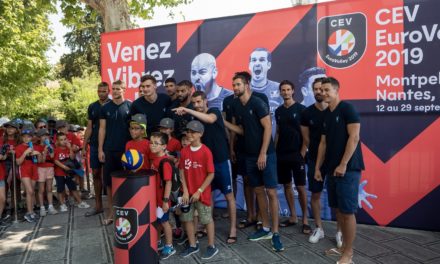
(386, 54)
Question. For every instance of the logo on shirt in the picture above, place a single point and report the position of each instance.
(294, 116)
(190, 164)
(337, 119)
(126, 225)
(251, 112)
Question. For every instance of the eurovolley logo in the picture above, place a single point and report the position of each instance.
(123, 226)
(341, 42)
(342, 39)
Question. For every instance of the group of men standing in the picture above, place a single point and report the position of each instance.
(323, 136)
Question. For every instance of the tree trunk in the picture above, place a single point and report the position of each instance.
(115, 13)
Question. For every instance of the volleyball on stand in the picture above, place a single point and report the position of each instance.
(132, 160)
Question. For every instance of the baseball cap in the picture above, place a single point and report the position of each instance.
(27, 129)
(60, 124)
(139, 118)
(195, 126)
(12, 124)
(73, 128)
(51, 119)
(42, 132)
(166, 123)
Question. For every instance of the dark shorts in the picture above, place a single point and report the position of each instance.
(343, 192)
(293, 168)
(112, 163)
(266, 177)
(62, 181)
(314, 185)
(241, 164)
(222, 178)
(165, 217)
(94, 160)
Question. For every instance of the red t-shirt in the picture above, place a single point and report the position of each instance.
(143, 146)
(12, 143)
(74, 139)
(19, 150)
(60, 154)
(48, 161)
(196, 165)
(173, 145)
(167, 174)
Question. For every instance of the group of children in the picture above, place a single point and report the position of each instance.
(38, 154)
(164, 153)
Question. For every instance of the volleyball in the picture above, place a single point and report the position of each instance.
(132, 160)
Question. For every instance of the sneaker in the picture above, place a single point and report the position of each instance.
(317, 235)
(28, 217)
(211, 251)
(182, 239)
(260, 234)
(167, 252)
(52, 210)
(63, 208)
(189, 251)
(35, 216)
(42, 211)
(276, 243)
(339, 239)
(160, 245)
(83, 205)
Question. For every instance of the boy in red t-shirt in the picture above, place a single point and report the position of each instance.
(62, 153)
(27, 159)
(158, 144)
(166, 126)
(138, 128)
(197, 172)
(45, 170)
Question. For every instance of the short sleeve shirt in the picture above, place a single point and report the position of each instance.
(313, 118)
(214, 137)
(153, 111)
(249, 116)
(180, 121)
(61, 154)
(289, 131)
(336, 133)
(117, 123)
(93, 113)
(167, 176)
(196, 165)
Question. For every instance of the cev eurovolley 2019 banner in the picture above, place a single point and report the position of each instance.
(384, 53)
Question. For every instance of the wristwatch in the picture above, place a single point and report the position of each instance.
(200, 190)
(165, 200)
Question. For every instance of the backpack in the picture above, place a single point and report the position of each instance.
(176, 184)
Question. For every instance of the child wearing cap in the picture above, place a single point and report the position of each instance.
(158, 144)
(45, 169)
(63, 152)
(139, 141)
(197, 172)
(166, 126)
(27, 159)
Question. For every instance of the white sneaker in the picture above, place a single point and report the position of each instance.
(52, 210)
(339, 239)
(83, 205)
(317, 234)
(42, 211)
(63, 208)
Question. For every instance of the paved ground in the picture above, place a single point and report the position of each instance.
(72, 238)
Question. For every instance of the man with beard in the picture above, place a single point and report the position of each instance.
(183, 92)
(91, 138)
(260, 63)
(214, 137)
(255, 125)
(340, 154)
(306, 80)
(291, 153)
(203, 74)
(170, 88)
(152, 104)
(112, 136)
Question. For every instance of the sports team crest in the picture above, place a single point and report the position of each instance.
(126, 225)
(342, 39)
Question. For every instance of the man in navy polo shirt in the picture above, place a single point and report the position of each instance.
(152, 104)
(215, 139)
(253, 115)
(112, 137)
(91, 138)
(341, 156)
(183, 92)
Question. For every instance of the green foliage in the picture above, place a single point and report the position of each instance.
(24, 39)
(145, 8)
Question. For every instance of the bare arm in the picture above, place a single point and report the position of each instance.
(267, 125)
(320, 158)
(101, 138)
(196, 196)
(61, 165)
(87, 134)
(352, 141)
(234, 128)
(204, 117)
(185, 196)
(305, 132)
